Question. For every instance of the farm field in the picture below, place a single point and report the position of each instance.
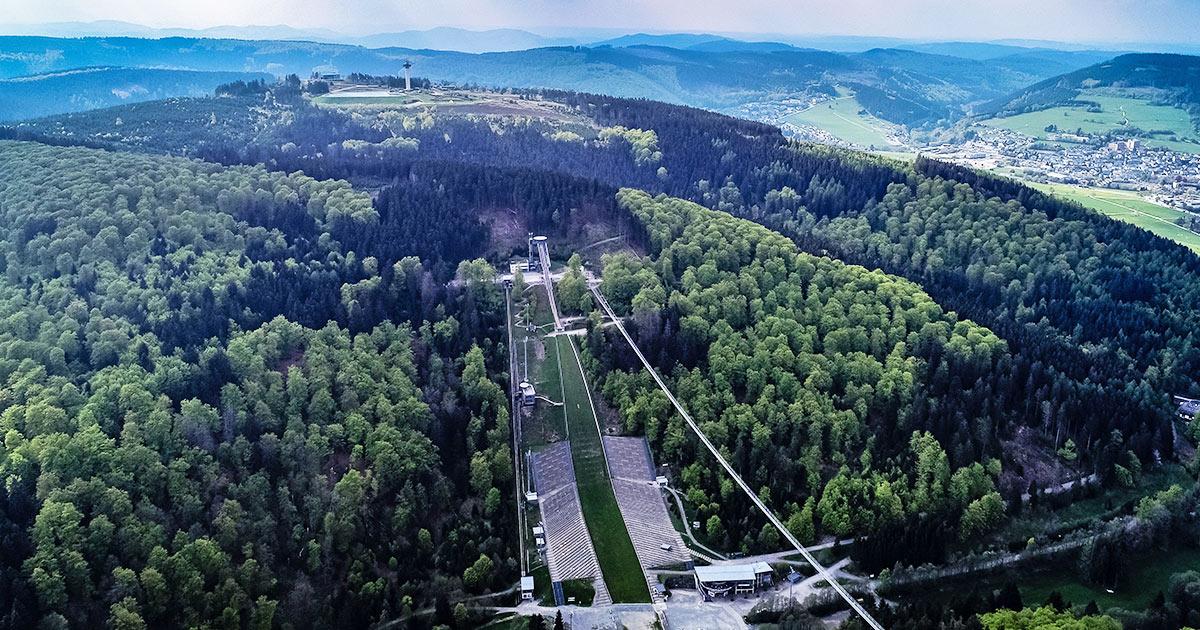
(618, 561)
(1114, 109)
(1129, 207)
(840, 118)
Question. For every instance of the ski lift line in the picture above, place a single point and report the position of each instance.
(821, 570)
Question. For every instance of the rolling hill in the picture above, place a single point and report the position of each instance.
(1170, 79)
(91, 88)
(900, 86)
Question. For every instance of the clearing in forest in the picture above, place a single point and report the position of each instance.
(841, 118)
(1099, 114)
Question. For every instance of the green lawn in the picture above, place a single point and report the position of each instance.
(1130, 207)
(1142, 114)
(840, 117)
(618, 561)
(1146, 578)
(581, 590)
(546, 423)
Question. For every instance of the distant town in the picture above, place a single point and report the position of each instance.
(1167, 177)
(1162, 176)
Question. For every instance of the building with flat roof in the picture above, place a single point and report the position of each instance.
(526, 587)
(528, 394)
(1188, 408)
(729, 580)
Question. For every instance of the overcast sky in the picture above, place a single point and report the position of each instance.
(1063, 20)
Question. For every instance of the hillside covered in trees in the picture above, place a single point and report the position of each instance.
(205, 424)
(1097, 314)
(827, 383)
(256, 372)
(931, 87)
(1172, 79)
(92, 88)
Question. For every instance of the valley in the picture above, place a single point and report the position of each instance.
(844, 119)
(664, 330)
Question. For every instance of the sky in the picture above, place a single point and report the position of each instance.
(1113, 21)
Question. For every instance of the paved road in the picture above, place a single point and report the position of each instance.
(1065, 486)
(961, 569)
(709, 554)
(782, 556)
(821, 570)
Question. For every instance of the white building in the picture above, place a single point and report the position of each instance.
(733, 579)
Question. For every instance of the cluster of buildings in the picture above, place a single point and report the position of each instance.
(1170, 177)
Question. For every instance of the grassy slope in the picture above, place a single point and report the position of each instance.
(840, 118)
(618, 561)
(1129, 207)
(545, 425)
(1142, 114)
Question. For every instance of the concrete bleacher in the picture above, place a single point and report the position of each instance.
(628, 458)
(553, 468)
(641, 503)
(569, 551)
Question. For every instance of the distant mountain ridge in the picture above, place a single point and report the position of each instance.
(79, 89)
(903, 86)
(462, 40)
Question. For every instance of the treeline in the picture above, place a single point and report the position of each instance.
(388, 80)
(177, 453)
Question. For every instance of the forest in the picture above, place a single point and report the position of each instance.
(1127, 284)
(253, 355)
(206, 424)
(828, 383)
